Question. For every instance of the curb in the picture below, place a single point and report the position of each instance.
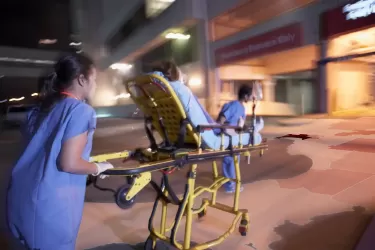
(294, 122)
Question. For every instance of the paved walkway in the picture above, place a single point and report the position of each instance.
(303, 194)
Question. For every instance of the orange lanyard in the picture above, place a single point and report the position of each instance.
(69, 94)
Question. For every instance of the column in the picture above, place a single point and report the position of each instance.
(323, 89)
(269, 89)
(290, 92)
(206, 60)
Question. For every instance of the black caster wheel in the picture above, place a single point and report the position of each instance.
(90, 180)
(149, 244)
(120, 197)
(202, 214)
(243, 231)
(243, 227)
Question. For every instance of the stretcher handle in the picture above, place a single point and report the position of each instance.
(202, 128)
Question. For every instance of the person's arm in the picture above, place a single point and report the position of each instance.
(221, 119)
(82, 120)
(225, 113)
(71, 156)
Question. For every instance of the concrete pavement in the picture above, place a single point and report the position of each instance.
(303, 194)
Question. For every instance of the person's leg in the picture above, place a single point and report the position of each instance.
(234, 169)
(228, 172)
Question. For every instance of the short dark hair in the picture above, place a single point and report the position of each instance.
(244, 91)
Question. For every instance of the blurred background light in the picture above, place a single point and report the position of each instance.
(177, 36)
(47, 41)
(121, 96)
(17, 99)
(195, 81)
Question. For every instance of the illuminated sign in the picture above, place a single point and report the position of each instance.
(362, 8)
(284, 38)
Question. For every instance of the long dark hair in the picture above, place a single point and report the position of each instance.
(169, 70)
(67, 68)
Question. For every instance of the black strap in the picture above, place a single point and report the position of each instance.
(171, 193)
(167, 142)
(95, 182)
(161, 195)
(179, 213)
(182, 133)
(149, 133)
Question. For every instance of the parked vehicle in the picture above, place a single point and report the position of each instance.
(16, 114)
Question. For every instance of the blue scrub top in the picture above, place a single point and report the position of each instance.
(45, 204)
(233, 111)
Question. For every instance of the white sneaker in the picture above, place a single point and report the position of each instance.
(233, 190)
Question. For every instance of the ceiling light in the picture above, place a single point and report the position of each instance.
(25, 60)
(75, 44)
(121, 66)
(17, 99)
(195, 81)
(177, 36)
(47, 41)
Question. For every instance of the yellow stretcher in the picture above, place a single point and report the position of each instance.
(181, 147)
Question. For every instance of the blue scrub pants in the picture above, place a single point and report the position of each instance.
(229, 171)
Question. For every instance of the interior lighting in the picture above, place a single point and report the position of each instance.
(16, 99)
(177, 36)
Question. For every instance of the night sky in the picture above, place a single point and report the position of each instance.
(22, 24)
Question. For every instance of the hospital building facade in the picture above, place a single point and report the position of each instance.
(311, 56)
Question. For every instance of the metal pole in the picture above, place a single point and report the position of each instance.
(302, 104)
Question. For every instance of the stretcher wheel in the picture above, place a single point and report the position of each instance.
(202, 213)
(120, 197)
(243, 227)
(242, 230)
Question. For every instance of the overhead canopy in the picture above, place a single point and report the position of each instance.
(251, 13)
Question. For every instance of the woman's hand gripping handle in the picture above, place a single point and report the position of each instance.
(102, 167)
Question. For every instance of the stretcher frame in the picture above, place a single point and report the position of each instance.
(172, 155)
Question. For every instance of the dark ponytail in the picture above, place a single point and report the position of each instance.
(66, 69)
(48, 85)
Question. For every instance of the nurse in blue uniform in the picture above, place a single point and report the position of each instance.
(46, 194)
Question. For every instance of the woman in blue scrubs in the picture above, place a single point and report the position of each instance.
(47, 189)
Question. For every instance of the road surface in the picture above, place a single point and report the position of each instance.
(303, 194)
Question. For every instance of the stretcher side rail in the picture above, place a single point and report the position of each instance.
(223, 127)
(182, 160)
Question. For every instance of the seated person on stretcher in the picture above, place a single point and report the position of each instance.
(233, 113)
(196, 113)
